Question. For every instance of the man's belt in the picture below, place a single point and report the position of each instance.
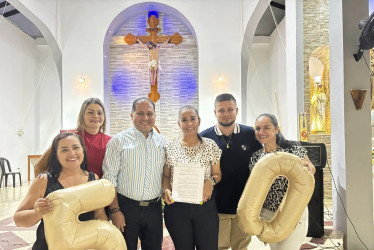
(139, 203)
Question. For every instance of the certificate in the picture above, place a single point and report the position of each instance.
(188, 183)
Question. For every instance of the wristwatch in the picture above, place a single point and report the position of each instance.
(212, 180)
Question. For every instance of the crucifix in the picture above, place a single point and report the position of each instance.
(151, 43)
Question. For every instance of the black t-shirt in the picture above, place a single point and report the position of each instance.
(234, 165)
(52, 185)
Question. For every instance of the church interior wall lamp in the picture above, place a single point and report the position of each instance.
(358, 96)
(220, 79)
(82, 79)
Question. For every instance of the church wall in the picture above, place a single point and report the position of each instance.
(18, 74)
(47, 100)
(267, 76)
(279, 78)
(316, 34)
(30, 96)
(259, 81)
(248, 7)
(217, 26)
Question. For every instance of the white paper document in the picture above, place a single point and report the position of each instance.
(188, 183)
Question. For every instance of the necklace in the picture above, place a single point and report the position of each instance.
(227, 143)
(272, 151)
(188, 144)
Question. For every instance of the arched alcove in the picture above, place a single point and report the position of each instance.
(126, 69)
(319, 86)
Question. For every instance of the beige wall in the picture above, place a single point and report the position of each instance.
(316, 34)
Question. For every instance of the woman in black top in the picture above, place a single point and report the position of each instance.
(268, 133)
(67, 167)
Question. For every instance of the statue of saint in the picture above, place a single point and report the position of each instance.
(318, 106)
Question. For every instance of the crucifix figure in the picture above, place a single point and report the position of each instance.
(150, 42)
(153, 64)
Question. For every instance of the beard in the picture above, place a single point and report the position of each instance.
(226, 124)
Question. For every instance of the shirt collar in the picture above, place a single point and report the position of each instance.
(218, 131)
(138, 133)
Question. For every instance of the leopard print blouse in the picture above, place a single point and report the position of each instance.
(206, 153)
(279, 187)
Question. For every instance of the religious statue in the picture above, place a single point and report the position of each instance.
(154, 63)
(151, 40)
(319, 91)
(318, 106)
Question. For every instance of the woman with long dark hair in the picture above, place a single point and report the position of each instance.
(67, 167)
(268, 133)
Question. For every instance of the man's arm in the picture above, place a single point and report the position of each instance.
(140, 42)
(111, 166)
(166, 42)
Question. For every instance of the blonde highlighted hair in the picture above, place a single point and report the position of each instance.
(80, 122)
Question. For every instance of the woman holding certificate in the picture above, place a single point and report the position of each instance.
(191, 170)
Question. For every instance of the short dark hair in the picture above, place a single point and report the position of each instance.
(142, 99)
(224, 97)
(54, 166)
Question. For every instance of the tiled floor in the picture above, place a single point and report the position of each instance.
(12, 237)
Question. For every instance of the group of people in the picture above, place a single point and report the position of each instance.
(140, 163)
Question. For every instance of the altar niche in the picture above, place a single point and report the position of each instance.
(177, 80)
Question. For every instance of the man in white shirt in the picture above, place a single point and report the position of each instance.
(134, 163)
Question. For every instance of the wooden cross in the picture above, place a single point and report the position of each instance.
(152, 40)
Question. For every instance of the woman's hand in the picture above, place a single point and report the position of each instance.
(208, 189)
(167, 197)
(309, 165)
(42, 206)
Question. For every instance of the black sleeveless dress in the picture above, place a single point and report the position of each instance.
(52, 185)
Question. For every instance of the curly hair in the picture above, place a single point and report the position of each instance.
(54, 166)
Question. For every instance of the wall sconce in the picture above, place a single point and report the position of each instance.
(220, 79)
(358, 96)
(82, 79)
(20, 132)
